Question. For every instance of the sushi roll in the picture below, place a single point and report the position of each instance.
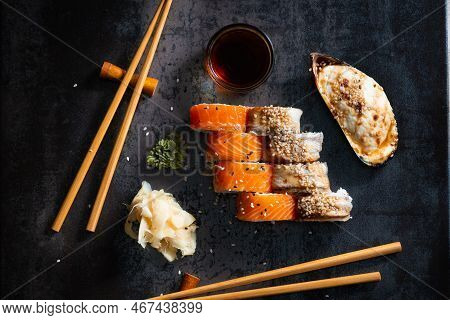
(266, 121)
(302, 178)
(235, 146)
(233, 176)
(218, 117)
(294, 148)
(325, 206)
(259, 207)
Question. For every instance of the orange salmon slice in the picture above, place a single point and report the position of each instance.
(237, 146)
(259, 207)
(218, 117)
(232, 176)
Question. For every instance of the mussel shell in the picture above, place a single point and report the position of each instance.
(386, 148)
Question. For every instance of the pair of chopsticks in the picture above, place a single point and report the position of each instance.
(289, 271)
(164, 7)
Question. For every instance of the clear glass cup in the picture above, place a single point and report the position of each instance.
(239, 57)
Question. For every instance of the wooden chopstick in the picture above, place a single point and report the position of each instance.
(289, 271)
(189, 281)
(114, 158)
(296, 287)
(81, 174)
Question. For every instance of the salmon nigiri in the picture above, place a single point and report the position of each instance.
(266, 207)
(218, 117)
(232, 176)
(238, 146)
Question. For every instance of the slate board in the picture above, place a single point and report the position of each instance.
(47, 124)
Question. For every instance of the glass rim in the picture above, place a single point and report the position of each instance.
(224, 30)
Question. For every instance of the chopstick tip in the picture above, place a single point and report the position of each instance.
(378, 276)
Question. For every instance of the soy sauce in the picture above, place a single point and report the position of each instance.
(240, 57)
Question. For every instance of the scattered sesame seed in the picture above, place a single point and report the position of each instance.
(179, 271)
(58, 261)
(233, 245)
(128, 158)
(211, 250)
(145, 129)
(171, 108)
(147, 133)
(75, 85)
(178, 80)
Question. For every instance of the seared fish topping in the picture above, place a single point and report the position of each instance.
(302, 177)
(360, 106)
(294, 147)
(325, 206)
(273, 120)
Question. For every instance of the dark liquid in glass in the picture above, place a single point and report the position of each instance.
(241, 58)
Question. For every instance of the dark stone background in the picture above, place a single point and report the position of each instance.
(47, 126)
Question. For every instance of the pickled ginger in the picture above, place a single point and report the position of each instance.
(155, 218)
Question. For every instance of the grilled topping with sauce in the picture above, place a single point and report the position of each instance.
(325, 206)
(273, 120)
(302, 178)
(294, 147)
(360, 106)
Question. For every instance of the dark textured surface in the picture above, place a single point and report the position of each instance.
(47, 125)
